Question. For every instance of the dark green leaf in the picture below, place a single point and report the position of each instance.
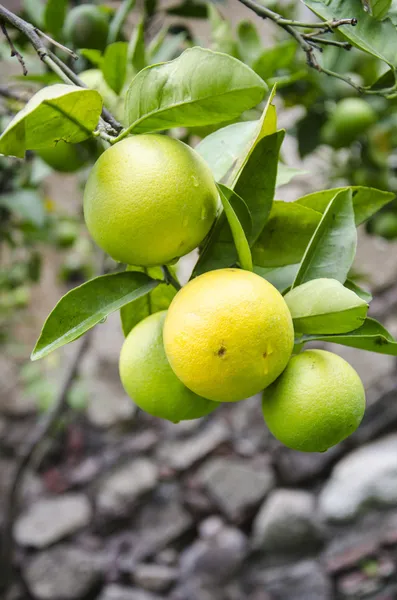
(58, 112)
(281, 277)
(387, 79)
(363, 294)
(239, 237)
(325, 306)
(378, 38)
(158, 299)
(200, 87)
(371, 336)
(27, 204)
(286, 235)
(331, 250)
(54, 16)
(118, 20)
(366, 201)
(114, 65)
(85, 306)
(94, 56)
(273, 59)
(309, 131)
(249, 43)
(189, 9)
(136, 49)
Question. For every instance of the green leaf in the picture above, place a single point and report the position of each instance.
(94, 56)
(34, 10)
(118, 20)
(371, 336)
(239, 238)
(249, 43)
(200, 87)
(274, 59)
(136, 48)
(366, 201)
(27, 204)
(325, 306)
(221, 32)
(308, 130)
(285, 174)
(54, 16)
(165, 47)
(286, 235)
(114, 65)
(377, 8)
(86, 305)
(58, 112)
(257, 181)
(331, 250)
(189, 9)
(158, 299)
(378, 38)
(363, 294)
(220, 250)
(281, 277)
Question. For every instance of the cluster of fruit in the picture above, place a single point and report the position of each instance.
(228, 334)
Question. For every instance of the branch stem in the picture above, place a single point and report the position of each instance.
(170, 279)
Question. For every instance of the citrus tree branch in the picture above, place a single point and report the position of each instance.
(35, 36)
(39, 434)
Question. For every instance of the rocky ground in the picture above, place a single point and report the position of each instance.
(121, 506)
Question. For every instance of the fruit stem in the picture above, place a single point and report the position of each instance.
(169, 279)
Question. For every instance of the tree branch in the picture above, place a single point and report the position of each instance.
(170, 279)
(56, 65)
(39, 434)
(14, 51)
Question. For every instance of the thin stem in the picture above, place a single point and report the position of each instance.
(53, 42)
(170, 279)
(14, 51)
(39, 433)
(326, 42)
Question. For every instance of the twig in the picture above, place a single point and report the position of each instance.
(53, 42)
(39, 434)
(14, 51)
(51, 60)
(170, 279)
(314, 38)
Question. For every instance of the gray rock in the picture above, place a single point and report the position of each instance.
(182, 454)
(217, 557)
(297, 467)
(301, 581)
(365, 477)
(287, 522)
(62, 572)
(13, 401)
(31, 488)
(117, 592)
(108, 405)
(235, 485)
(52, 519)
(153, 577)
(119, 490)
(372, 251)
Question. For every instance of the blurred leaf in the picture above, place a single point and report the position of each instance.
(166, 48)
(285, 174)
(189, 9)
(118, 20)
(220, 249)
(85, 306)
(366, 201)
(286, 235)
(281, 277)
(57, 112)
(114, 65)
(94, 56)
(363, 294)
(377, 8)
(387, 79)
(325, 306)
(239, 238)
(378, 38)
(331, 250)
(249, 42)
(309, 130)
(371, 336)
(158, 299)
(136, 48)
(273, 59)
(34, 10)
(54, 16)
(221, 32)
(27, 204)
(200, 87)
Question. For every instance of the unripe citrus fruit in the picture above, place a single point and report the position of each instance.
(64, 157)
(86, 26)
(317, 402)
(148, 378)
(350, 119)
(228, 334)
(385, 225)
(149, 199)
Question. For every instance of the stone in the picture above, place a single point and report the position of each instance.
(373, 251)
(118, 592)
(31, 488)
(350, 550)
(365, 477)
(304, 580)
(62, 572)
(108, 405)
(287, 522)
(182, 454)
(153, 577)
(51, 519)
(380, 417)
(235, 485)
(13, 400)
(298, 467)
(216, 558)
(120, 490)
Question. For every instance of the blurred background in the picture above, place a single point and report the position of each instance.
(117, 505)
